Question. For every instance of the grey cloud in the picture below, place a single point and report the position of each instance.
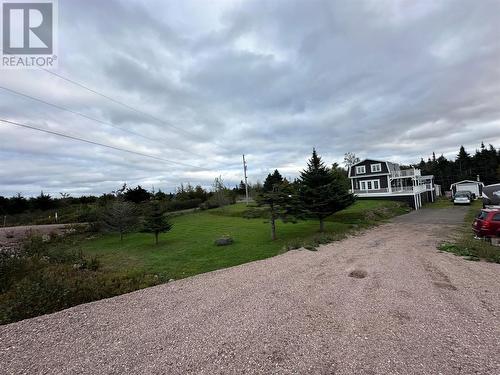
(393, 80)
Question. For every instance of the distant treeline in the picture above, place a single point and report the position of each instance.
(485, 163)
(185, 197)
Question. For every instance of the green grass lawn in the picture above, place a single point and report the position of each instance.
(440, 202)
(84, 267)
(466, 245)
(188, 249)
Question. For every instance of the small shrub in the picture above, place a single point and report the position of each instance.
(94, 227)
(472, 249)
(34, 246)
(293, 245)
(323, 239)
(91, 264)
(208, 205)
(255, 213)
(178, 205)
(59, 286)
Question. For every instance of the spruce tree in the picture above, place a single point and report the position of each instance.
(155, 220)
(322, 191)
(272, 180)
(463, 163)
(120, 217)
(281, 200)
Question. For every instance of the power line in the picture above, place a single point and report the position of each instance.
(98, 143)
(94, 119)
(120, 103)
(114, 100)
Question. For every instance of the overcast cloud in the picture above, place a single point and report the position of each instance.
(391, 80)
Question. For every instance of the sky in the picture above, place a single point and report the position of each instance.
(212, 80)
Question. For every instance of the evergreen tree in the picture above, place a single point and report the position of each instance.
(322, 192)
(137, 195)
(160, 196)
(463, 164)
(341, 175)
(241, 188)
(200, 193)
(271, 180)
(281, 200)
(18, 204)
(43, 202)
(484, 163)
(491, 163)
(442, 171)
(120, 217)
(155, 220)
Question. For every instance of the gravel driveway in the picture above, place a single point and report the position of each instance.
(416, 311)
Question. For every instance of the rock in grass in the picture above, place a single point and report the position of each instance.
(224, 241)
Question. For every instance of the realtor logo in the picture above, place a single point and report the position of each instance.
(28, 34)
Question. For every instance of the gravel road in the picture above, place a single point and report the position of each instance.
(11, 237)
(415, 311)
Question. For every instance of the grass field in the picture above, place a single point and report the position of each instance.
(83, 267)
(188, 249)
(469, 247)
(440, 202)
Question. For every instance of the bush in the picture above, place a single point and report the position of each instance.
(61, 286)
(472, 249)
(47, 277)
(177, 205)
(208, 205)
(294, 245)
(255, 213)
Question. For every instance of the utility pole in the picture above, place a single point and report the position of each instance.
(246, 181)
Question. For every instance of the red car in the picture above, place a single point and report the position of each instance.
(487, 223)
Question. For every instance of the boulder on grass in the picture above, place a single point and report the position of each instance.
(224, 241)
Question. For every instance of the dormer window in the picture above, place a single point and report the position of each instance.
(376, 167)
(360, 169)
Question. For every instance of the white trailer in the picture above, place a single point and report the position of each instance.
(475, 187)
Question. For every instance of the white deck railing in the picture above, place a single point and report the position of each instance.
(371, 191)
(403, 173)
(395, 190)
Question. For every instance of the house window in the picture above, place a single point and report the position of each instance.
(370, 185)
(360, 169)
(376, 167)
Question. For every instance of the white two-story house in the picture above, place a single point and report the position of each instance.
(376, 179)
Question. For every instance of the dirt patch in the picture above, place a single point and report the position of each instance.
(444, 285)
(401, 316)
(358, 274)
